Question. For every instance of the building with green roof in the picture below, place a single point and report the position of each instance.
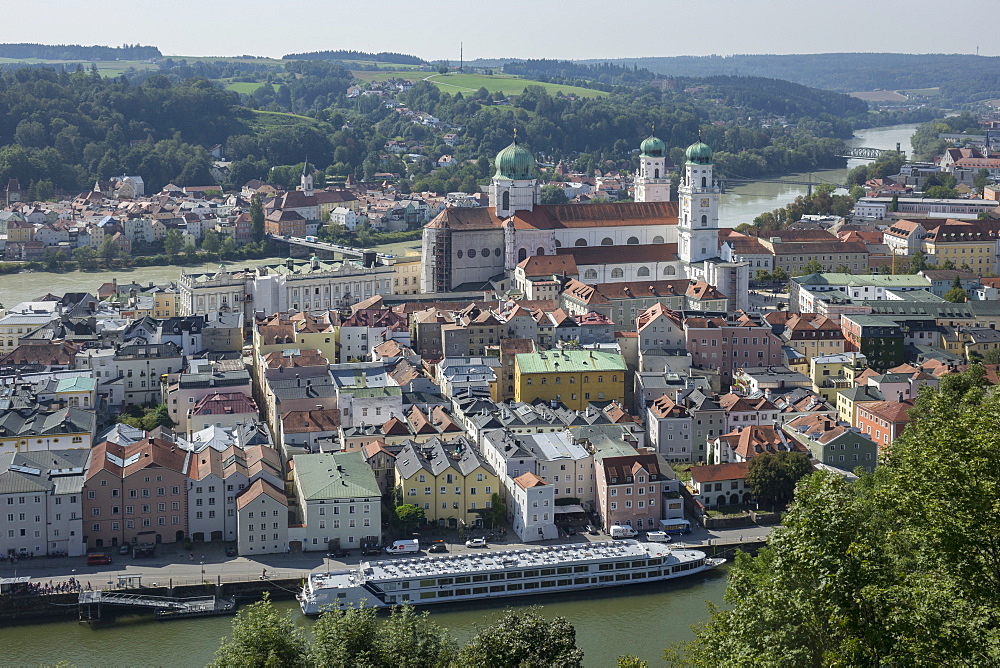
(340, 503)
(572, 377)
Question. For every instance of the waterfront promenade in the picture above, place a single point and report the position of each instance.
(208, 563)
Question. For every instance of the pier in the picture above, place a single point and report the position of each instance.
(164, 607)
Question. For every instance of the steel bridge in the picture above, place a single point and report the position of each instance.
(867, 153)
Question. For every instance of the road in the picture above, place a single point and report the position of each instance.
(208, 563)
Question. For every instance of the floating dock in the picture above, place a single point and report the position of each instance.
(164, 608)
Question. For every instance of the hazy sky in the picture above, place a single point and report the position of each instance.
(571, 29)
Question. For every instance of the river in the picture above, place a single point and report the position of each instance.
(640, 620)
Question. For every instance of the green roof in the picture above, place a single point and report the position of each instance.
(887, 281)
(515, 163)
(341, 475)
(699, 153)
(553, 361)
(76, 384)
(652, 147)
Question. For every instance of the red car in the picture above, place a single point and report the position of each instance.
(98, 559)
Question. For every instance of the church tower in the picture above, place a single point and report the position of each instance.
(306, 180)
(652, 183)
(514, 186)
(698, 204)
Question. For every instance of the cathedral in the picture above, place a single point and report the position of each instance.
(652, 237)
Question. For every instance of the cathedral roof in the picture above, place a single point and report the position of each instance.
(466, 218)
(652, 147)
(563, 216)
(699, 153)
(515, 163)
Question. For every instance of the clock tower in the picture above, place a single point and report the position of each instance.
(698, 199)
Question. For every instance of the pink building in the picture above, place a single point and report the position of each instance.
(135, 493)
(736, 341)
(635, 490)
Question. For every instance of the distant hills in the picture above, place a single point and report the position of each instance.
(961, 78)
(77, 52)
(381, 57)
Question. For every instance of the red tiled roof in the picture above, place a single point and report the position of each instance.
(719, 472)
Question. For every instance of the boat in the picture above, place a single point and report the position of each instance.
(520, 572)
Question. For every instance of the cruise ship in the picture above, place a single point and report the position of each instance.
(474, 576)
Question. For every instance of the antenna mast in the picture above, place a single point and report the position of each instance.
(461, 57)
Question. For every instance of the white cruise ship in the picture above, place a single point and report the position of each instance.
(462, 577)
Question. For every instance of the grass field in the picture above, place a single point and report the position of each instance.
(107, 68)
(247, 87)
(879, 96)
(468, 83)
(262, 120)
(926, 92)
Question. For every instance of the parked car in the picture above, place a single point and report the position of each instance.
(592, 530)
(438, 546)
(476, 542)
(371, 550)
(570, 531)
(98, 559)
(338, 554)
(124, 549)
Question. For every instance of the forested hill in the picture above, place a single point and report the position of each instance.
(77, 52)
(962, 78)
(775, 96)
(381, 57)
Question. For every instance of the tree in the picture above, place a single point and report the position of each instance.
(257, 218)
(772, 478)
(173, 242)
(262, 637)
(811, 267)
(498, 510)
(211, 243)
(981, 180)
(631, 661)
(918, 262)
(956, 294)
(409, 516)
(54, 260)
(553, 194)
(894, 203)
(85, 258)
(523, 638)
(409, 638)
(108, 252)
(343, 638)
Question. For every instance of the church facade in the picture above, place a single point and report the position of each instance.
(465, 248)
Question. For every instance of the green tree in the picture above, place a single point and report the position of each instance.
(918, 262)
(523, 638)
(409, 516)
(811, 267)
(956, 294)
(409, 638)
(257, 218)
(86, 258)
(54, 260)
(108, 251)
(227, 248)
(173, 242)
(498, 510)
(981, 180)
(553, 194)
(345, 638)
(894, 203)
(262, 637)
(772, 478)
(631, 661)
(210, 243)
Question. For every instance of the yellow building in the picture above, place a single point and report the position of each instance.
(19, 231)
(831, 374)
(164, 303)
(964, 243)
(448, 479)
(571, 377)
(407, 278)
(301, 330)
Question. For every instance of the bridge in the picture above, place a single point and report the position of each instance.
(315, 244)
(739, 180)
(164, 607)
(867, 153)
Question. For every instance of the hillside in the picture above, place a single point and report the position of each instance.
(961, 78)
(77, 52)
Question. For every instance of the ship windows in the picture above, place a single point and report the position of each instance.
(480, 590)
(581, 581)
(531, 574)
(563, 570)
(605, 567)
(565, 583)
(445, 581)
(605, 578)
(581, 569)
(638, 576)
(427, 583)
(639, 564)
(462, 579)
(445, 593)
(496, 589)
(514, 575)
(479, 578)
(515, 587)
(531, 585)
(463, 592)
(622, 576)
(428, 594)
(496, 576)
(548, 571)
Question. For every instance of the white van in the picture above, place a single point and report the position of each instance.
(403, 547)
(618, 531)
(657, 537)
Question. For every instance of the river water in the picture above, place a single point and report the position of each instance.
(640, 620)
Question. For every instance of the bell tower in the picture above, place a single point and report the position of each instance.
(698, 204)
(514, 186)
(306, 180)
(652, 184)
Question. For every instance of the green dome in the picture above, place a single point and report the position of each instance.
(699, 153)
(515, 163)
(652, 147)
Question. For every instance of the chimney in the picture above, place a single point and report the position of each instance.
(899, 397)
